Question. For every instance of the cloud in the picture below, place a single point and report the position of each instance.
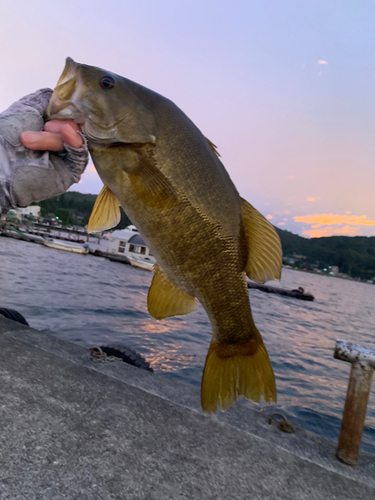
(92, 168)
(348, 212)
(331, 231)
(269, 216)
(322, 62)
(312, 199)
(281, 223)
(335, 219)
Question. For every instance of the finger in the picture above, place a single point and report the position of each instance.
(70, 136)
(55, 126)
(42, 141)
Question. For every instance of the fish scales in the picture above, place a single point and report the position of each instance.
(166, 175)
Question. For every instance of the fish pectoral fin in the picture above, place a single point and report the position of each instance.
(265, 255)
(166, 299)
(106, 212)
(229, 375)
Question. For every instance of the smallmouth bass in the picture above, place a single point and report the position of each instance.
(167, 176)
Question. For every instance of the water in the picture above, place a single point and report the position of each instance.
(93, 301)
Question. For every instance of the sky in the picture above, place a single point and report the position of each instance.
(284, 88)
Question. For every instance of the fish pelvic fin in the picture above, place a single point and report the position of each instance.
(106, 212)
(265, 254)
(236, 370)
(166, 299)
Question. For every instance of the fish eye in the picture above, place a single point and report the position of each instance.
(107, 82)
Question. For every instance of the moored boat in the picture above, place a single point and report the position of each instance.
(67, 247)
(296, 294)
(142, 263)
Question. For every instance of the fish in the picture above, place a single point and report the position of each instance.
(169, 179)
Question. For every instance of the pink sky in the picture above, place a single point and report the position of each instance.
(284, 89)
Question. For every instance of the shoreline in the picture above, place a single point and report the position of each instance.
(106, 255)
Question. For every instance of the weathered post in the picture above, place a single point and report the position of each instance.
(353, 420)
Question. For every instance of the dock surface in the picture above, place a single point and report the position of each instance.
(73, 427)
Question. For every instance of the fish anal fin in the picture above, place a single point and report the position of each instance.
(166, 299)
(264, 248)
(244, 372)
(106, 212)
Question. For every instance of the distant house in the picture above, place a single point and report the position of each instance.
(33, 210)
(128, 243)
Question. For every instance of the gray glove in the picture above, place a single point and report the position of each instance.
(28, 176)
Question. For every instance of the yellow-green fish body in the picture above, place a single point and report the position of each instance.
(168, 178)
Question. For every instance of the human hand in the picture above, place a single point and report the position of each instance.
(38, 160)
(55, 133)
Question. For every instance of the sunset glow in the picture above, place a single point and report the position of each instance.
(328, 219)
(345, 225)
(331, 231)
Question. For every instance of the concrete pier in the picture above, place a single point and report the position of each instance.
(72, 427)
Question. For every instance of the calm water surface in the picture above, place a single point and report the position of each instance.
(92, 301)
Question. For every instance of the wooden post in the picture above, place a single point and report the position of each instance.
(353, 421)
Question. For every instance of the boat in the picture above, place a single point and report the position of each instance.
(143, 263)
(298, 293)
(63, 245)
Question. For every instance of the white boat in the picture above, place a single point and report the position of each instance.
(67, 247)
(143, 263)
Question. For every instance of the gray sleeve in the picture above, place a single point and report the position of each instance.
(28, 176)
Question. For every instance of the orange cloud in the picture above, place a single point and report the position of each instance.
(92, 168)
(269, 216)
(331, 231)
(329, 219)
(322, 62)
(281, 224)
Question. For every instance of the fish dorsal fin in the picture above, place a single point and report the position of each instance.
(166, 299)
(265, 254)
(106, 212)
(213, 147)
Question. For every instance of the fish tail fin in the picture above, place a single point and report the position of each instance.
(234, 371)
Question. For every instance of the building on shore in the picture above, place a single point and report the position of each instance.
(128, 243)
(33, 210)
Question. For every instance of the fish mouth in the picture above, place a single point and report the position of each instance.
(62, 105)
(60, 109)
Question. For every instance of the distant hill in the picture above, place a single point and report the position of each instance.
(353, 255)
(75, 208)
